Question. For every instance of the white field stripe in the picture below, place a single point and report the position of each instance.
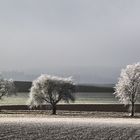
(91, 121)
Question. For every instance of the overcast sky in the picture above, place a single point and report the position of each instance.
(40, 34)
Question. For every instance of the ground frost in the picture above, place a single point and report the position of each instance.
(69, 129)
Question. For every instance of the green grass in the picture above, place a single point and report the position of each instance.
(96, 101)
(19, 99)
(81, 98)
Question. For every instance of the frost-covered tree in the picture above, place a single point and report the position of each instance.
(51, 89)
(7, 88)
(128, 86)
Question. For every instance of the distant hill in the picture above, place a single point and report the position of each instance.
(24, 86)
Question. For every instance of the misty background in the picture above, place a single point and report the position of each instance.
(90, 40)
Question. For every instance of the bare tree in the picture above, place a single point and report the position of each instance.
(51, 89)
(128, 86)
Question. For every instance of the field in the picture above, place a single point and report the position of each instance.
(86, 94)
(82, 98)
(19, 99)
(61, 127)
(68, 125)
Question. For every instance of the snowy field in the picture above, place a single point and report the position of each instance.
(64, 128)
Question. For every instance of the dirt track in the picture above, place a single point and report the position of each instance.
(69, 128)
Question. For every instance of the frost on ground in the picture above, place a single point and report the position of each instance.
(41, 128)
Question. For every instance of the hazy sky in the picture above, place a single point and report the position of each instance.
(39, 34)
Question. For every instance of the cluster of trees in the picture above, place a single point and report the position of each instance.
(45, 89)
(51, 89)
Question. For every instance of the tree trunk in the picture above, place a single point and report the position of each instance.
(132, 109)
(54, 109)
